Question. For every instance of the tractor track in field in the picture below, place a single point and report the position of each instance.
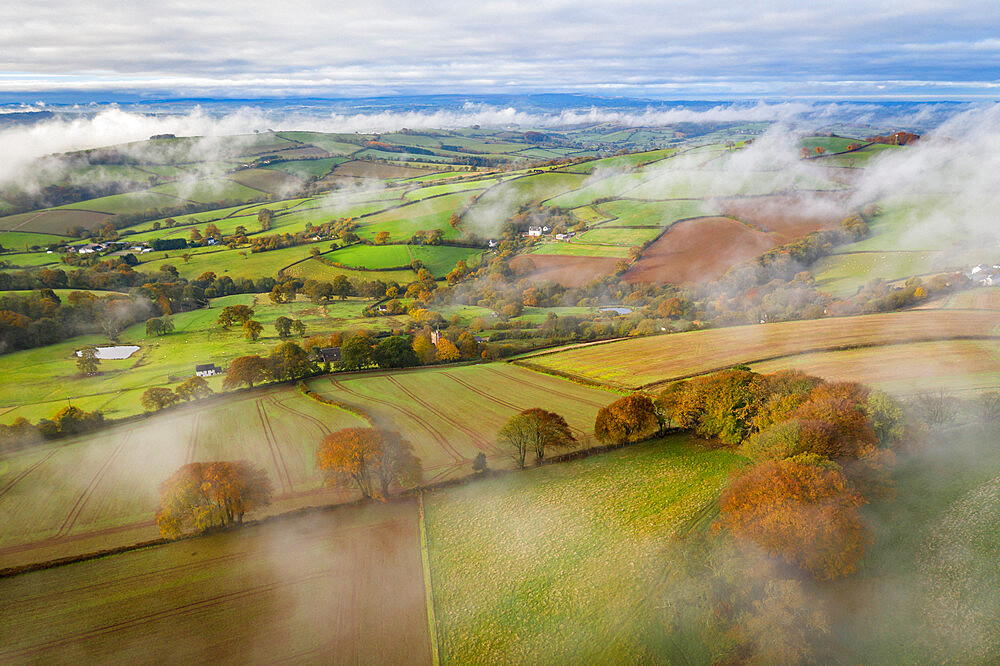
(155, 616)
(279, 460)
(434, 432)
(323, 428)
(193, 439)
(84, 497)
(548, 390)
(55, 540)
(495, 399)
(17, 479)
(478, 440)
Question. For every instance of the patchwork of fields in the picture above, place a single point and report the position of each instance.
(642, 361)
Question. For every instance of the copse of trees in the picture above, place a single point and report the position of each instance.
(535, 430)
(200, 496)
(629, 419)
(368, 459)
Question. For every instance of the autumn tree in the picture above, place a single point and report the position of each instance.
(247, 370)
(157, 398)
(800, 509)
(194, 388)
(367, 458)
(534, 430)
(396, 351)
(252, 329)
(235, 314)
(265, 216)
(447, 352)
(199, 496)
(628, 419)
(290, 361)
(381, 238)
(356, 353)
(299, 328)
(87, 361)
(159, 326)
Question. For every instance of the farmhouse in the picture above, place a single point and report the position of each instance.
(328, 354)
(534, 231)
(207, 370)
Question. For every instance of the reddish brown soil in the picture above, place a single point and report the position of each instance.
(565, 270)
(788, 216)
(699, 250)
(363, 169)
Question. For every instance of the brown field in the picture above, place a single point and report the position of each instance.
(364, 169)
(52, 221)
(950, 365)
(639, 362)
(982, 298)
(305, 152)
(699, 250)
(266, 180)
(787, 216)
(569, 271)
(342, 586)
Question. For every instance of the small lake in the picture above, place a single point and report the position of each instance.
(116, 353)
(621, 311)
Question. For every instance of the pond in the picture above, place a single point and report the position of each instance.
(115, 353)
(619, 310)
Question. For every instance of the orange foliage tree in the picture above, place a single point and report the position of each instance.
(628, 419)
(199, 496)
(368, 458)
(247, 370)
(800, 509)
(535, 429)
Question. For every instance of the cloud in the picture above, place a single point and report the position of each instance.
(305, 47)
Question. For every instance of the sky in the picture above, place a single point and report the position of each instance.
(681, 49)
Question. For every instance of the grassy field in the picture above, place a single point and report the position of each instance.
(205, 191)
(48, 375)
(579, 249)
(316, 270)
(641, 361)
(627, 213)
(52, 220)
(103, 489)
(617, 236)
(843, 274)
(342, 586)
(451, 414)
(438, 259)
(561, 564)
(223, 261)
(403, 222)
(19, 240)
(621, 161)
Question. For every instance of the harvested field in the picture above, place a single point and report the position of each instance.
(451, 414)
(567, 270)
(983, 298)
(101, 490)
(642, 361)
(52, 221)
(949, 365)
(340, 586)
(364, 169)
(699, 250)
(788, 216)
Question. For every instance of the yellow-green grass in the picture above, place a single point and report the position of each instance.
(598, 188)
(954, 365)
(64, 293)
(32, 259)
(104, 487)
(592, 215)
(692, 183)
(843, 274)
(436, 176)
(131, 202)
(316, 270)
(606, 235)
(830, 144)
(919, 223)
(927, 588)
(858, 158)
(223, 261)
(642, 361)
(48, 376)
(208, 190)
(307, 168)
(628, 213)
(19, 240)
(515, 192)
(448, 188)
(331, 143)
(438, 259)
(577, 248)
(451, 414)
(621, 161)
(427, 215)
(332, 586)
(562, 564)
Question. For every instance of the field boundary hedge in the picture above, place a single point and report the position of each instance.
(306, 391)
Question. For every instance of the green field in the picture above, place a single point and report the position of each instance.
(205, 191)
(621, 161)
(579, 249)
(605, 235)
(640, 361)
(843, 274)
(403, 222)
(307, 168)
(19, 240)
(626, 213)
(438, 259)
(227, 262)
(561, 564)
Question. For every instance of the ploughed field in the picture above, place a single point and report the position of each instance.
(101, 490)
(344, 585)
(640, 362)
(452, 414)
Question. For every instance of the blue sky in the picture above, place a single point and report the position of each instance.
(669, 50)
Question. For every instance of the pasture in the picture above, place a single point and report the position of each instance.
(628, 213)
(644, 361)
(343, 585)
(208, 190)
(427, 215)
(564, 563)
